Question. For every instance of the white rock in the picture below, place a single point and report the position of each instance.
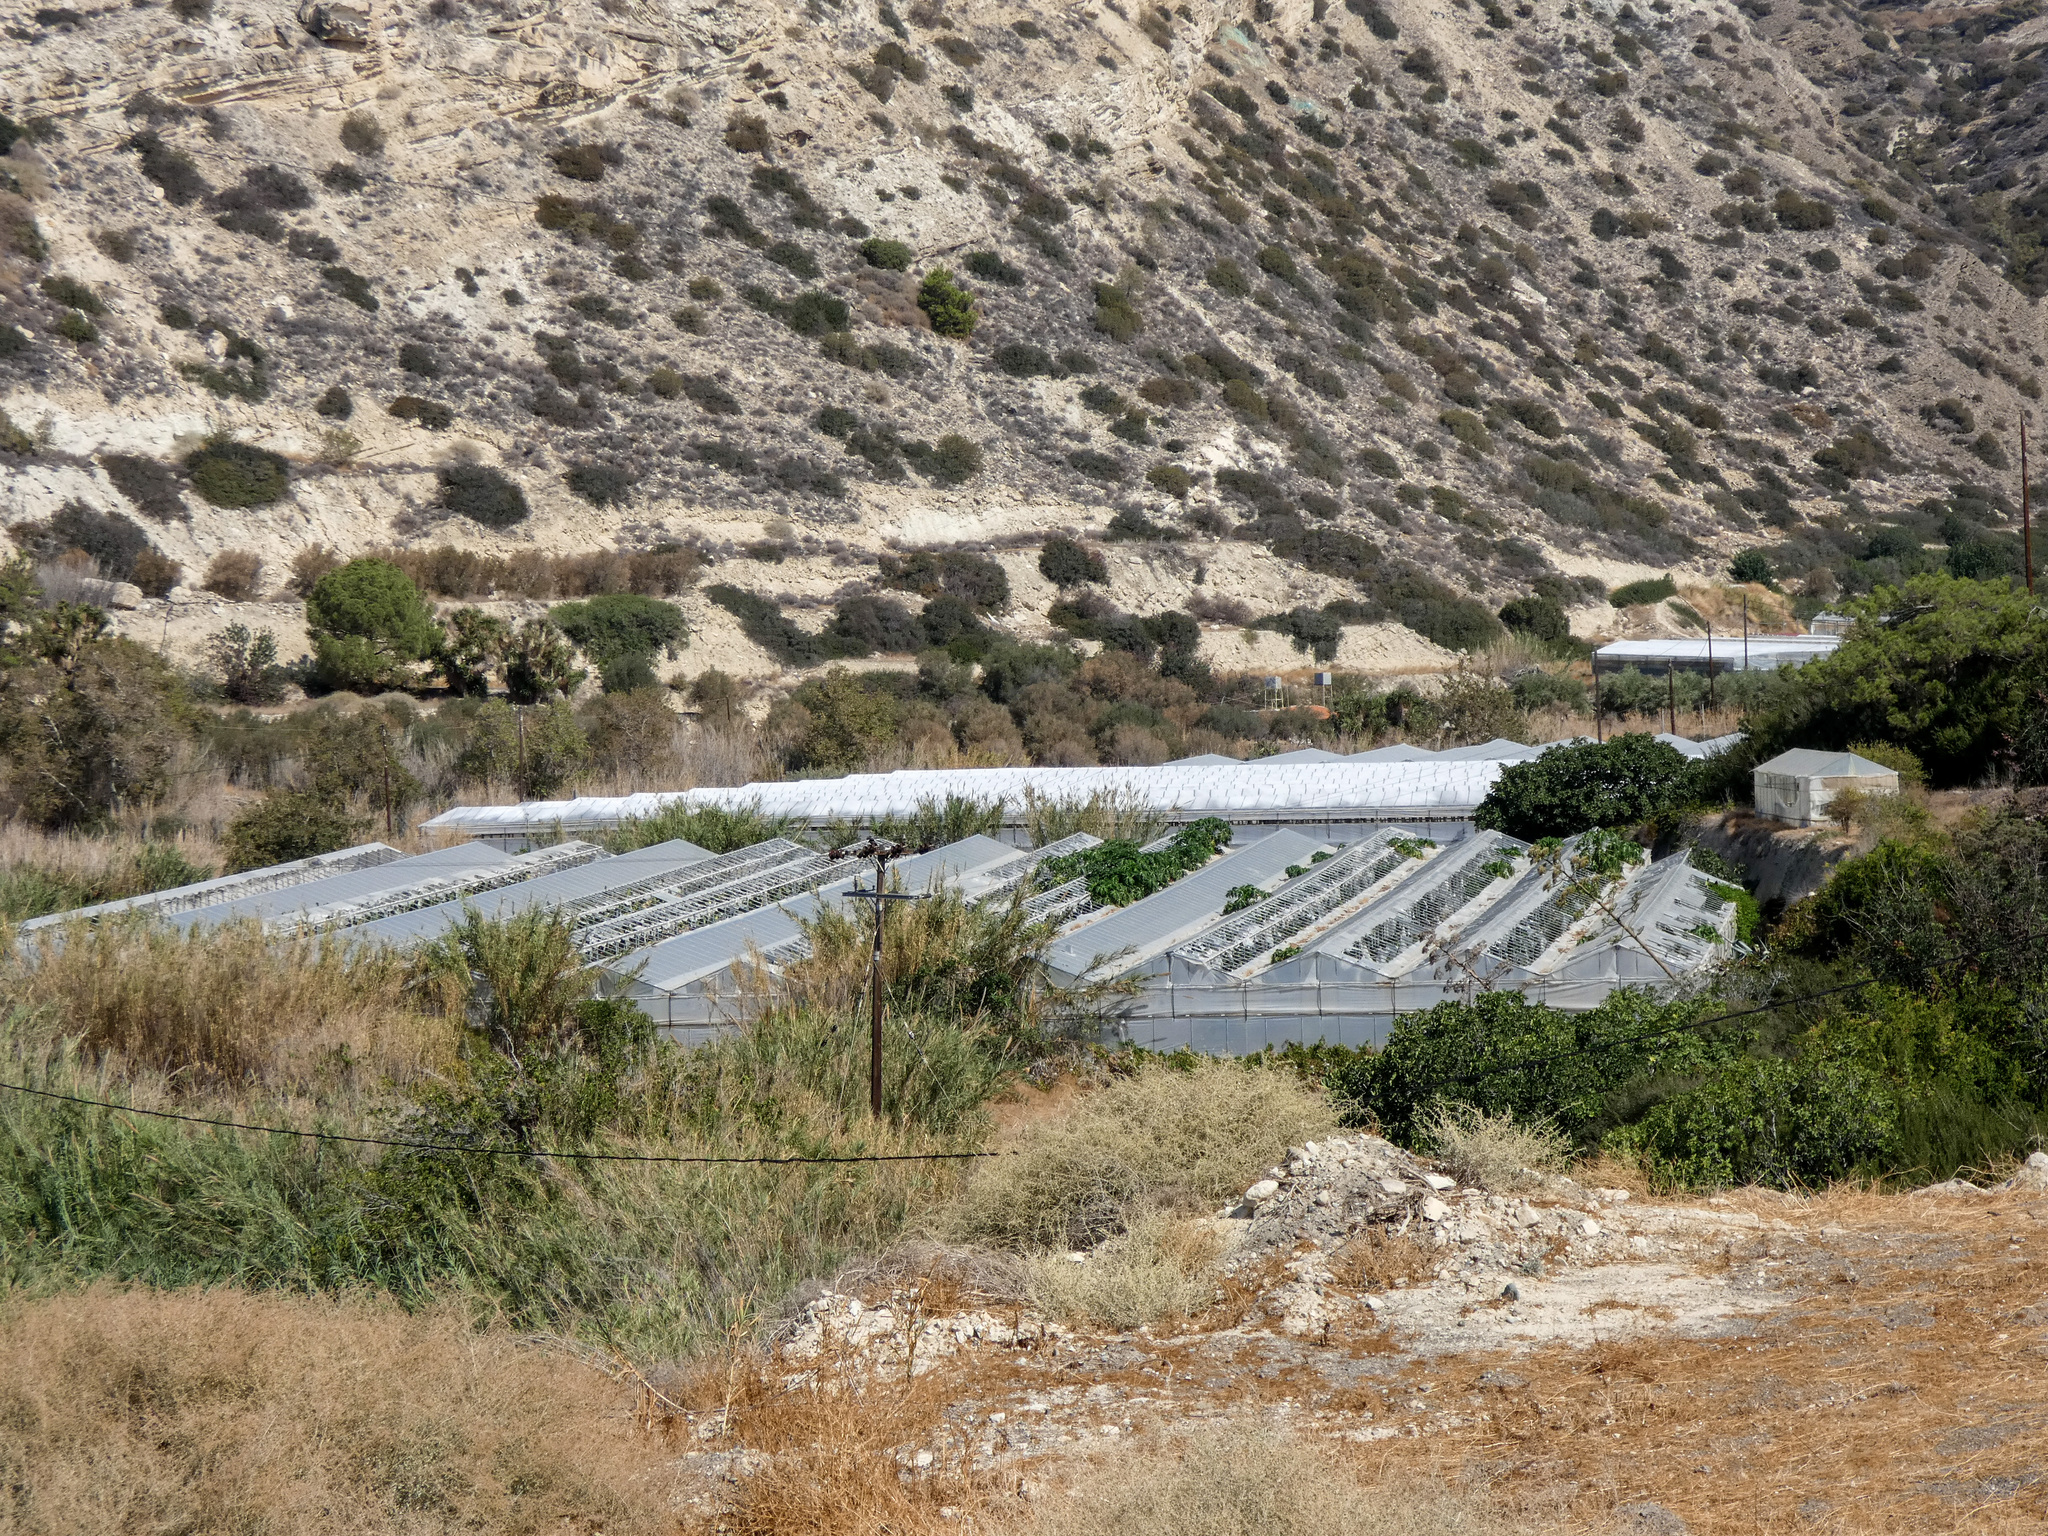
(1325, 1197)
(922, 1459)
(1434, 1209)
(1262, 1191)
(1393, 1186)
(1439, 1182)
(1375, 1303)
(1589, 1228)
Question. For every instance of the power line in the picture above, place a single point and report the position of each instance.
(457, 1147)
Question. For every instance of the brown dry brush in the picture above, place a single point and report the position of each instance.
(218, 1410)
(230, 1004)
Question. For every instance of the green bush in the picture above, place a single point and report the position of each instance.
(1541, 618)
(1651, 589)
(482, 494)
(431, 414)
(1065, 563)
(949, 306)
(1626, 781)
(620, 624)
(337, 403)
(990, 267)
(151, 486)
(72, 294)
(891, 255)
(1503, 1055)
(73, 326)
(1022, 360)
(232, 474)
(417, 358)
(286, 825)
(602, 485)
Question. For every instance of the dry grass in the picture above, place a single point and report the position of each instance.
(1900, 1388)
(229, 1004)
(1160, 1268)
(1496, 1152)
(222, 1411)
(1234, 1481)
(1376, 1258)
(1162, 1139)
(841, 1448)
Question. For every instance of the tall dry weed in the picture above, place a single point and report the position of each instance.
(1500, 1152)
(227, 1004)
(1160, 1267)
(1232, 1480)
(218, 1410)
(843, 1447)
(1166, 1138)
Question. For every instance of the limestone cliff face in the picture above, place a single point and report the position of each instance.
(1385, 301)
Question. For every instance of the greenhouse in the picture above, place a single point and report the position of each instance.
(1311, 789)
(1294, 935)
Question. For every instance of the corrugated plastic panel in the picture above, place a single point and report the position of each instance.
(1147, 927)
(288, 904)
(564, 889)
(225, 888)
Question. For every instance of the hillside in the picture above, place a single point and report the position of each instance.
(1406, 309)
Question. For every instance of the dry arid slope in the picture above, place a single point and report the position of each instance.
(1348, 300)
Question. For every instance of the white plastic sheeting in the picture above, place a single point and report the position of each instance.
(1724, 653)
(1282, 794)
(1398, 784)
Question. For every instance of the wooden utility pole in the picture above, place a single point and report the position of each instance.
(1671, 693)
(881, 852)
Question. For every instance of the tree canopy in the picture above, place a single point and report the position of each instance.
(1942, 666)
(1618, 783)
(368, 623)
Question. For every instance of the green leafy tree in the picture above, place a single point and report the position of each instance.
(289, 824)
(716, 695)
(369, 626)
(247, 664)
(1944, 667)
(620, 624)
(474, 643)
(1624, 782)
(537, 750)
(835, 722)
(539, 663)
(89, 723)
(1501, 1053)
(1753, 566)
(950, 306)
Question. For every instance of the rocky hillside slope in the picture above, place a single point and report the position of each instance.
(1375, 301)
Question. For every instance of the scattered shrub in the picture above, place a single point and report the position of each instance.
(362, 134)
(232, 474)
(892, 255)
(601, 484)
(336, 402)
(234, 574)
(950, 307)
(1065, 563)
(431, 414)
(482, 494)
(151, 486)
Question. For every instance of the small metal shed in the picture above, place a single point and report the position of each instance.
(1796, 786)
